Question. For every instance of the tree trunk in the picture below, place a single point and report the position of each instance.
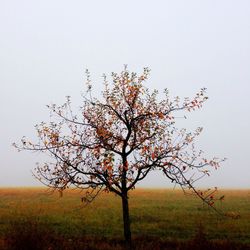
(126, 221)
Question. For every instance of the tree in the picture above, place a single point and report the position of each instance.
(115, 142)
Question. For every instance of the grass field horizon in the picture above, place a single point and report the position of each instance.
(159, 213)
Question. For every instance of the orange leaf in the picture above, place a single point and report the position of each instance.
(153, 156)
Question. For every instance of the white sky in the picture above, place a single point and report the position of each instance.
(45, 46)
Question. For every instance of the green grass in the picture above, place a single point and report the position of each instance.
(166, 214)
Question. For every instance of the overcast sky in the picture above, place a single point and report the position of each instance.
(45, 47)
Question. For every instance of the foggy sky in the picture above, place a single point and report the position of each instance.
(46, 46)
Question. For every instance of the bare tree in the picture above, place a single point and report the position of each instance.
(115, 142)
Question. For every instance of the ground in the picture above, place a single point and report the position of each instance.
(165, 217)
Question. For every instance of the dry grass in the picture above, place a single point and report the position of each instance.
(159, 217)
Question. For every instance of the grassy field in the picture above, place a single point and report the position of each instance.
(162, 214)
